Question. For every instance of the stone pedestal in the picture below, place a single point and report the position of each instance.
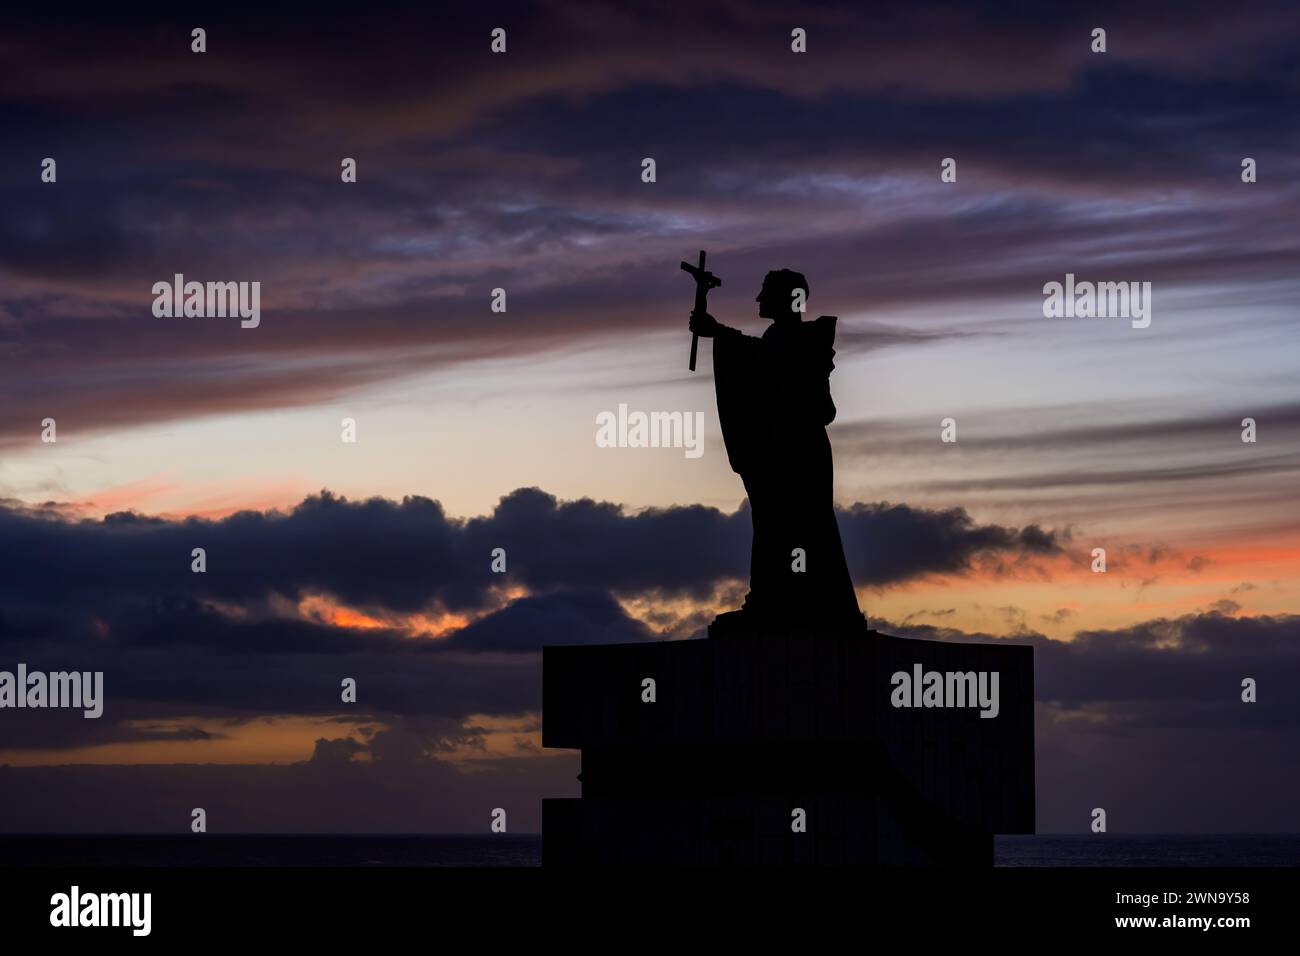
(753, 724)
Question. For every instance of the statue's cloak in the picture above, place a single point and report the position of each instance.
(772, 388)
(774, 403)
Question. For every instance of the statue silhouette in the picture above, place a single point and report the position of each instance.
(774, 403)
(788, 706)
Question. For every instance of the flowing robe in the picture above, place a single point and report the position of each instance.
(774, 403)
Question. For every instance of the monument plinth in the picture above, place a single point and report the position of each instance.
(754, 724)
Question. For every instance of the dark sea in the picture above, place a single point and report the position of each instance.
(1105, 849)
(310, 850)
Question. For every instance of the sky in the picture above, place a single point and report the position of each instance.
(475, 429)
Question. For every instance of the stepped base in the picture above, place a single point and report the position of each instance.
(755, 724)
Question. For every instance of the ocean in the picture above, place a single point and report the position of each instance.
(1163, 850)
(525, 850)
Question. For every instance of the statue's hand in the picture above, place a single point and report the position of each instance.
(704, 324)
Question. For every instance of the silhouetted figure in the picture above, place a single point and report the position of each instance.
(774, 403)
(788, 710)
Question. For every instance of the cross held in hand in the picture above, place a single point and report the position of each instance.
(704, 281)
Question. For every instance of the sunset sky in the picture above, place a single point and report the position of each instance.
(476, 429)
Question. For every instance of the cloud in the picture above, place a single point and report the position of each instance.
(1059, 616)
(411, 556)
(117, 595)
(886, 543)
(1181, 672)
(530, 623)
(520, 171)
(1148, 722)
(1104, 458)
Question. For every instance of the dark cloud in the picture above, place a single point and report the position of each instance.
(411, 556)
(117, 595)
(1145, 721)
(1183, 672)
(521, 171)
(886, 543)
(531, 623)
(1166, 671)
(1148, 722)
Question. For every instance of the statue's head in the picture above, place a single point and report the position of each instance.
(776, 300)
